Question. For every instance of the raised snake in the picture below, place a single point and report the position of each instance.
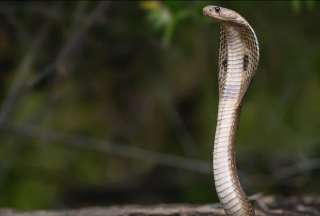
(238, 61)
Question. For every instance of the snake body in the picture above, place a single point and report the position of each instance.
(238, 61)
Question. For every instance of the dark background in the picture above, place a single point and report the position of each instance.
(108, 103)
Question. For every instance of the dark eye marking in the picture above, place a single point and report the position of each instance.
(225, 64)
(217, 9)
(245, 62)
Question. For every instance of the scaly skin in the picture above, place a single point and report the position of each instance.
(238, 61)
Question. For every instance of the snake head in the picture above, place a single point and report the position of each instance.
(221, 14)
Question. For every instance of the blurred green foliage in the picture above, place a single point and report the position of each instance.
(143, 76)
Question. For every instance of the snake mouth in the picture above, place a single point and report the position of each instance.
(205, 11)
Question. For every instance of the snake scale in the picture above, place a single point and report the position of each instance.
(238, 61)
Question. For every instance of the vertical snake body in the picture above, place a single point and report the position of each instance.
(238, 61)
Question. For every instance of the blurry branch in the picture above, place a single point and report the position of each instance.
(92, 144)
(296, 169)
(73, 44)
(22, 73)
(127, 151)
(17, 88)
(11, 14)
(131, 152)
(182, 133)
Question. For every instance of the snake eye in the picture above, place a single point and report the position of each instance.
(217, 9)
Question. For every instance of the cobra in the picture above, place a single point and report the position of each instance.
(238, 61)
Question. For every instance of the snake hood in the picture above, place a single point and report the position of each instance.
(222, 14)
